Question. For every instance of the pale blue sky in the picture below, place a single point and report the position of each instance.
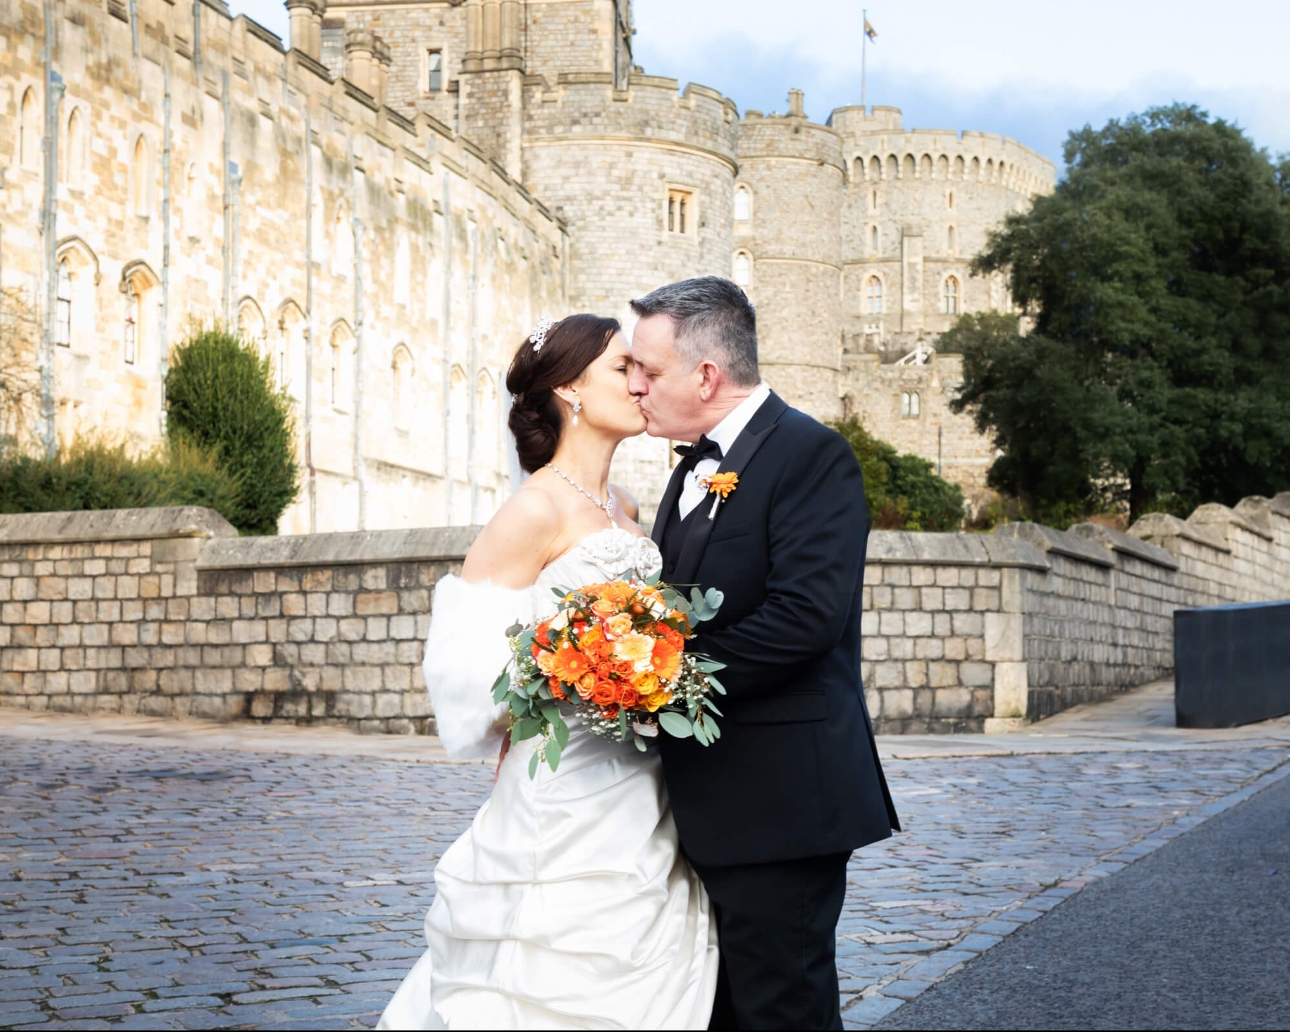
(1028, 70)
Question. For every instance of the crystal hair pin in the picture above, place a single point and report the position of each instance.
(538, 337)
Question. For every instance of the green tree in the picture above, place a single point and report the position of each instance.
(220, 394)
(1157, 374)
(903, 491)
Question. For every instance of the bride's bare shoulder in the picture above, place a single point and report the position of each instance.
(514, 545)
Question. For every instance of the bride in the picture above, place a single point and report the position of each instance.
(567, 904)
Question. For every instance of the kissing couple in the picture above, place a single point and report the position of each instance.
(684, 886)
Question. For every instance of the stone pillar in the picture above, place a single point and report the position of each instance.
(796, 104)
(512, 54)
(306, 26)
(492, 49)
(911, 279)
(472, 61)
(381, 70)
(358, 58)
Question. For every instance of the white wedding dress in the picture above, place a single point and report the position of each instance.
(567, 904)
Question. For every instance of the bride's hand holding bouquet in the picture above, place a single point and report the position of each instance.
(615, 655)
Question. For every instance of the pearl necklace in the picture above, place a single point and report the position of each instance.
(607, 505)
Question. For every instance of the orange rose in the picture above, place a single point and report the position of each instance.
(673, 637)
(546, 662)
(619, 625)
(603, 669)
(586, 684)
(623, 668)
(659, 699)
(609, 712)
(556, 689)
(569, 664)
(604, 608)
(542, 634)
(628, 697)
(604, 693)
(617, 592)
(665, 659)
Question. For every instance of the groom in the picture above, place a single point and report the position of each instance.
(770, 813)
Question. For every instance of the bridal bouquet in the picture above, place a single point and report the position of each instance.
(615, 655)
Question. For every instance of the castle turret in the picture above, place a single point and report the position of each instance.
(788, 251)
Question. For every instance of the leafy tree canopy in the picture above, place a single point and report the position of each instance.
(1158, 370)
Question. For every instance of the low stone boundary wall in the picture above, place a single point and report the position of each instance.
(169, 612)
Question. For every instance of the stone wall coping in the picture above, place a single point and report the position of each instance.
(1126, 544)
(929, 549)
(418, 544)
(1046, 539)
(1221, 517)
(1163, 526)
(1280, 504)
(114, 525)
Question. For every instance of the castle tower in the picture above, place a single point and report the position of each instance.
(788, 251)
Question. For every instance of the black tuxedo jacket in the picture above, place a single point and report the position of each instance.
(795, 772)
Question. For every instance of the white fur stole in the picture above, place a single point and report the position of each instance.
(465, 651)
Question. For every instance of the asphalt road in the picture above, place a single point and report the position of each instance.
(1193, 936)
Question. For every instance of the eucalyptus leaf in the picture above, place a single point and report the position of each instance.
(639, 742)
(712, 706)
(714, 729)
(550, 711)
(700, 735)
(714, 597)
(533, 765)
(553, 752)
(560, 729)
(514, 629)
(716, 684)
(519, 706)
(708, 666)
(622, 725)
(655, 578)
(502, 685)
(675, 724)
(529, 727)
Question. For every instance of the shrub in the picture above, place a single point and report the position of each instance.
(96, 473)
(903, 491)
(220, 395)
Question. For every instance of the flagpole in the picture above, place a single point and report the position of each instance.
(864, 40)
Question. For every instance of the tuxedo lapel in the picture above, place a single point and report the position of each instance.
(759, 428)
(668, 503)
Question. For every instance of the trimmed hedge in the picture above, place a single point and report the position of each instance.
(904, 492)
(220, 394)
(93, 473)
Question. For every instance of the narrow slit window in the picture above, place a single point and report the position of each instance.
(63, 310)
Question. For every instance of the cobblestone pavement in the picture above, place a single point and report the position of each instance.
(156, 885)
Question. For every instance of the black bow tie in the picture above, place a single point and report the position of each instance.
(705, 449)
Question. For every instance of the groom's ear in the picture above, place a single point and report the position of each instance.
(711, 380)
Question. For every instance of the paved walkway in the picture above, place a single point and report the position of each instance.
(159, 874)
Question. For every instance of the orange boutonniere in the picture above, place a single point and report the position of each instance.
(719, 484)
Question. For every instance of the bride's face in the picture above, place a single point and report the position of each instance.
(607, 404)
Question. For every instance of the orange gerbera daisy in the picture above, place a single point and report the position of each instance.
(672, 636)
(665, 659)
(569, 664)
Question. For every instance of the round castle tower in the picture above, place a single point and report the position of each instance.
(919, 204)
(788, 250)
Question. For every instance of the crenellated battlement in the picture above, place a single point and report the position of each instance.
(878, 148)
(652, 109)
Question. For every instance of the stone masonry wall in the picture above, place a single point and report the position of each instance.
(169, 612)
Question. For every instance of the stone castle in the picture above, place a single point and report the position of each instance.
(388, 205)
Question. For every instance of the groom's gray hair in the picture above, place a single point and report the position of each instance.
(714, 320)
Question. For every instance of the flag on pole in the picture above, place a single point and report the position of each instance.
(868, 31)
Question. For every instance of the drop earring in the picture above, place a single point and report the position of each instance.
(577, 407)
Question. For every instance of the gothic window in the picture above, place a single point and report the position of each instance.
(434, 71)
(250, 325)
(141, 175)
(976, 168)
(338, 367)
(743, 268)
(291, 350)
(873, 296)
(140, 287)
(893, 167)
(63, 310)
(958, 167)
(743, 204)
(925, 167)
(942, 167)
(949, 239)
(401, 368)
(130, 332)
(74, 149)
(950, 296)
(680, 211)
(873, 239)
(908, 171)
(29, 131)
(875, 168)
(909, 404)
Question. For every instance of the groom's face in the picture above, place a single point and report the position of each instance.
(669, 393)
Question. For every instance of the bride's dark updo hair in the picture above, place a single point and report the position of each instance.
(571, 345)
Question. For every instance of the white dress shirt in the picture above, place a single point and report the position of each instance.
(724, 434)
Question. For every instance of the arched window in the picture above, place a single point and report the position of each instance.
(139, 286)
(958, 167)
(141, 176)
(908, 171)
(949, 239)
(873, 296)
(74, 149)
(250, 325)
(909, 404)
(942, 167)
(63, 306)
(925, 166)
(338, 366)
(893, 168)
(875, 168)
(291, 352)
(873, 239)
(680, 211)
(743, 204)
(130, 331)
(401, 370)
(29, 131)
(976, 168)
(743, 268)
(950, 296)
